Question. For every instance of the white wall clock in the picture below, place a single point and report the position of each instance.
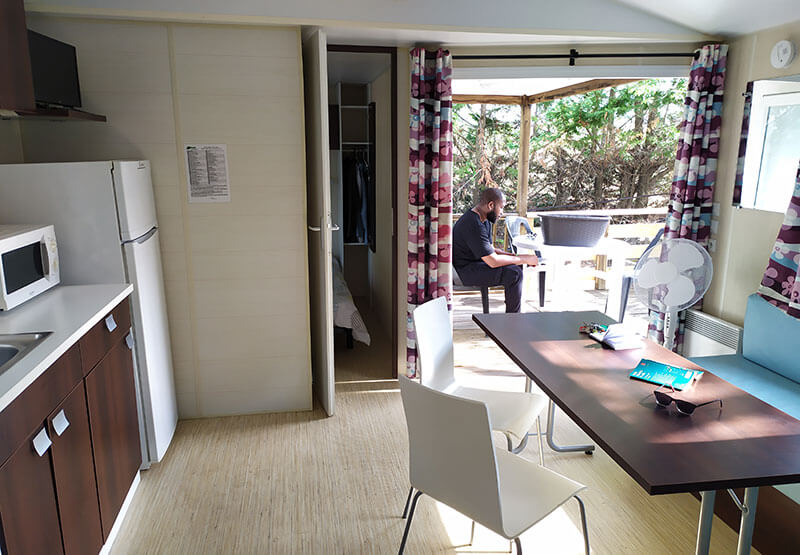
(782, 54)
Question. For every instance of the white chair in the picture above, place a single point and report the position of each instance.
(513, 412)
(513, 224)
(452, 459)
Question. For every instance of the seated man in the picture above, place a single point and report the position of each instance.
(475, 258)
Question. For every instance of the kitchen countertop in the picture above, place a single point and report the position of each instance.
(68, 311)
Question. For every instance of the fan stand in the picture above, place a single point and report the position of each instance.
(671, 322)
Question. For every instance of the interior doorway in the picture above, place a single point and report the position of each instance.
(362, 87)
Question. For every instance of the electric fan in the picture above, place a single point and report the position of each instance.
(671, 276)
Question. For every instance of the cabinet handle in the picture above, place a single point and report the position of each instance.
(111, 324)
(60, 423)
(129, 341)
(41, 443)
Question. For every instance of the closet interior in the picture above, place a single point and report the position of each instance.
(359, 92)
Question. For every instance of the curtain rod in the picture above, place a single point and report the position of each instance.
(574, 55)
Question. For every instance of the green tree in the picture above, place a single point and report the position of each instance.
(609, 148)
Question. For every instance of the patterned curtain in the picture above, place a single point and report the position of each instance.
(430, 160)
(781, 282)
(692, 192)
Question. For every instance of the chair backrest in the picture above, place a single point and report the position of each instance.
(513, 223)
(769, 338)
(451, 456)
(435, 344)
(655, 239)
(512, 226)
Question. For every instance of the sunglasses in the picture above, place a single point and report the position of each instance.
(663, 399)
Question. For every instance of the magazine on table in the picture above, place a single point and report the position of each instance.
(664, 374)
(618, 337)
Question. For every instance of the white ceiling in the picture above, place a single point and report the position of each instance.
(404, 22)
(722, 17)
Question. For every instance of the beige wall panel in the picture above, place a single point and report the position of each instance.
(241, 120)
(264, 264)
(277, 297)
(244, 233)
(745, 237)
(264, 399)
(237, 75)
(250, 337)
(254, 373)
(217, 40)
(178, 305)
(180, 334)
(96, 35)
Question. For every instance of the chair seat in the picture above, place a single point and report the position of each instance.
(529, 492)
(514, 412)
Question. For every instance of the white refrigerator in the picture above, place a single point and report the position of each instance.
(105, 222)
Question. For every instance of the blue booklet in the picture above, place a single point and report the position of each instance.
(663, 374)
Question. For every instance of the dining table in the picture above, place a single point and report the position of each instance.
(741, 442)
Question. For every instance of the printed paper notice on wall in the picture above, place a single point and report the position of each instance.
(207, 172)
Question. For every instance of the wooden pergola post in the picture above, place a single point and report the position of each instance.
(524, 157)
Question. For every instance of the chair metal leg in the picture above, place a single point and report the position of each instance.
(519, 546)
(583, 525)
(623, 296)
(541, 441)
(408, 500)
(471, 534)
(541, 287)
(408, 522)
(485, 299)
(551, 416)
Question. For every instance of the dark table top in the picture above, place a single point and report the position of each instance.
(746, 443)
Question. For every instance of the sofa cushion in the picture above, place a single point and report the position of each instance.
(772, 388)
(771, 337)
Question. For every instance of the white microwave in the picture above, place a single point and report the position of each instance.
(28, 262)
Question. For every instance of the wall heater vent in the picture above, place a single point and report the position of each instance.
(707, 335)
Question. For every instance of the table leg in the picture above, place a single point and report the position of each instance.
(706, 520)
(551, 417)
(748, 521)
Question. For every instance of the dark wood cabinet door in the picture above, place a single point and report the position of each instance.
(114, 423)
(73, 468)
(28, 502)
(105, 334)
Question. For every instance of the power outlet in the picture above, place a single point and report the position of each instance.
(714, 226)
(712, 245)
(715, 210)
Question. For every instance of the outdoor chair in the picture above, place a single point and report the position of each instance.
(452, 459)
(627, 280)
(458, 285)
(513, 224)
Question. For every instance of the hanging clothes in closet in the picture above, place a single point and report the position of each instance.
(357, 191)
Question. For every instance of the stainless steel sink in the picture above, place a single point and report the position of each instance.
(15, 346)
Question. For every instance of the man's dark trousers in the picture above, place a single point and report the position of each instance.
(510, 277)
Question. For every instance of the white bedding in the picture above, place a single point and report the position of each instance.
(345, 313)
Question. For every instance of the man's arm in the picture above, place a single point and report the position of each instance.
(498, 260)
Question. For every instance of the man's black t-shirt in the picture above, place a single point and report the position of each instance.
(471, 239)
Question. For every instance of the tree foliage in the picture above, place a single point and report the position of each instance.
(612, 148)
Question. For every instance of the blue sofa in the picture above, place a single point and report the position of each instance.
(769, 365)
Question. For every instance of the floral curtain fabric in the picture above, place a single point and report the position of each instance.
(430, 161)
(692, 192)
(781, 282)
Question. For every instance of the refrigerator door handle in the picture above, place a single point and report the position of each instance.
(143, 238)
